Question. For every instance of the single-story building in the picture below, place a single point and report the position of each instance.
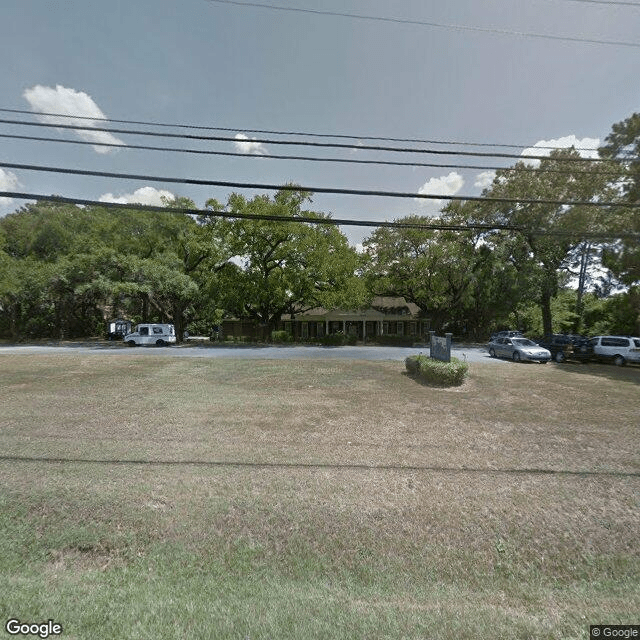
(386, 316)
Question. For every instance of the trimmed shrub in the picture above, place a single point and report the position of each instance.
(281, 336)
(436, 372)
(412, 365)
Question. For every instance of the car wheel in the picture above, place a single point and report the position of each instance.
(492, 352)
(560, 357)
(131, 343)
(619, 361)
(160, 343)
(516, 356)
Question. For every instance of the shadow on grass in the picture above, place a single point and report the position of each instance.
(323, 465)
(418, 379)
(628, 373)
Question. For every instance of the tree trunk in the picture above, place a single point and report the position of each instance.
(545, 307)
(60, 312)
(14, 321)
(145, 308)
(178, 321)
(582, 279)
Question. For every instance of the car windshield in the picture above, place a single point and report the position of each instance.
(523, 342)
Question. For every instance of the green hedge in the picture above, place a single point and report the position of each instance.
(281, 336)
(436, 372)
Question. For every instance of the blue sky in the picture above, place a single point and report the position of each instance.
(203, 63)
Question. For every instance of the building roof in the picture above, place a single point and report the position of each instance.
(381, 308)
(395, 305)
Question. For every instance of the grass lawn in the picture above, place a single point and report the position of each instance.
(163, 497)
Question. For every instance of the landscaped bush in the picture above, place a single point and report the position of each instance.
(281, 336)
(242, 339)
(436, 372)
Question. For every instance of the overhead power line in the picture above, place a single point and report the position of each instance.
(294, 187)
(284, 133)
(313, 219)
(332, 145)
(267, 156)
(423, 23)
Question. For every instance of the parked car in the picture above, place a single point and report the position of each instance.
(152, 333)
(507, 334)
(567, 347)
(616, 349)
(518, 349)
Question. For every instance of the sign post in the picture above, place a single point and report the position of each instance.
(440, 348)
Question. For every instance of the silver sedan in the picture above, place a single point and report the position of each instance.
(518, 349)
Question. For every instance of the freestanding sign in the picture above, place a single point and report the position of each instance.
(440, 348)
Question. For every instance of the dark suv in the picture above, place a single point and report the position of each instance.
(567, 347)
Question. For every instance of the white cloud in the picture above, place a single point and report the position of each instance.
(245, 145)
(484, 179)
(448, 185)
(8, 182)
(587, 147)
(71, 103)
(144, 195)
(359, 143)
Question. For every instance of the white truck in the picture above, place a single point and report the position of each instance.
(151, 333)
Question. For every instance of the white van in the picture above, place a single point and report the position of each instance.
(620, 349)
(158, 334)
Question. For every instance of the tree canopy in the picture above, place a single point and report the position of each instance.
(275, 267)
(623, 145)
(65, 269)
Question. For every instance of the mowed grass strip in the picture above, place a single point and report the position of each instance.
(316, 499)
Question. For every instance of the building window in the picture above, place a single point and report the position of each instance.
(412, 328)
(305, 329)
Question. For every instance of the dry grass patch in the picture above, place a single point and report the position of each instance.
(317, 499)
(330, 412)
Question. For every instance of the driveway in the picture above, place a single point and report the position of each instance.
(468, 353)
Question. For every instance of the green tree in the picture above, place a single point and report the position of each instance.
(86, 263)
(496, 285)
(623, 257)
(549, 234)
(274, 267)
(432, 269)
